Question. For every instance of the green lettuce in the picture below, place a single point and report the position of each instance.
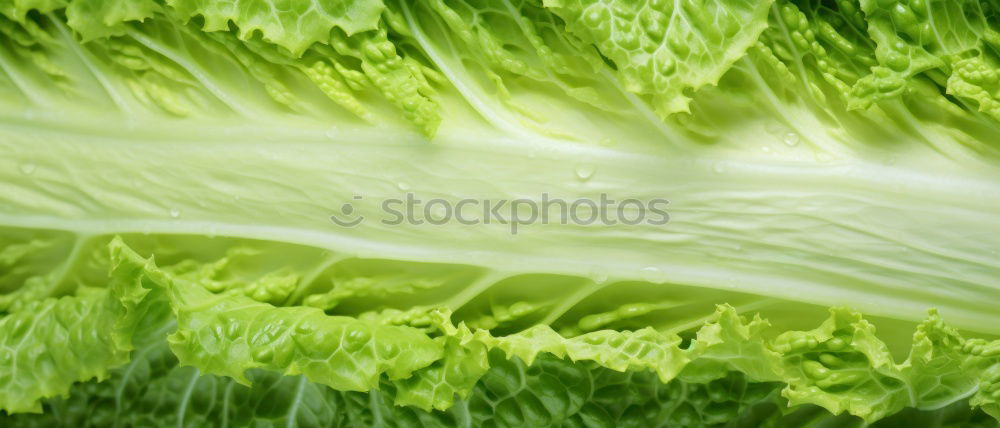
(169, 169)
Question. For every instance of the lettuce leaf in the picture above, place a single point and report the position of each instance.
(420, 359)
(169, 169)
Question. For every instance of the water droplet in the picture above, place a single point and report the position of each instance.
(175, 213)
(731, 283)
(719, 168)
(403, 186)
(791, 139)
(599, 277)
(28, 168)
(651, 274)
(585, 172)
(332, 133)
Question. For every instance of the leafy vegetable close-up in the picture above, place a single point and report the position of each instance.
(202, 224)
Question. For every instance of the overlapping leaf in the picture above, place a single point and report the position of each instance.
(429, 363)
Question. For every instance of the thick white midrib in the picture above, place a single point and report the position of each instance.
(311, 148)
(227, 135)
(959, 181)
(503, 264)
(308, 133)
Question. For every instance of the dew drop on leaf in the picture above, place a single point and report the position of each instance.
(651, 274)
(791, 139)
(28, 168)
(584, 172)
(332, 133)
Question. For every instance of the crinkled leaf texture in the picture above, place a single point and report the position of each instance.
(196, 347)
(814, 154)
